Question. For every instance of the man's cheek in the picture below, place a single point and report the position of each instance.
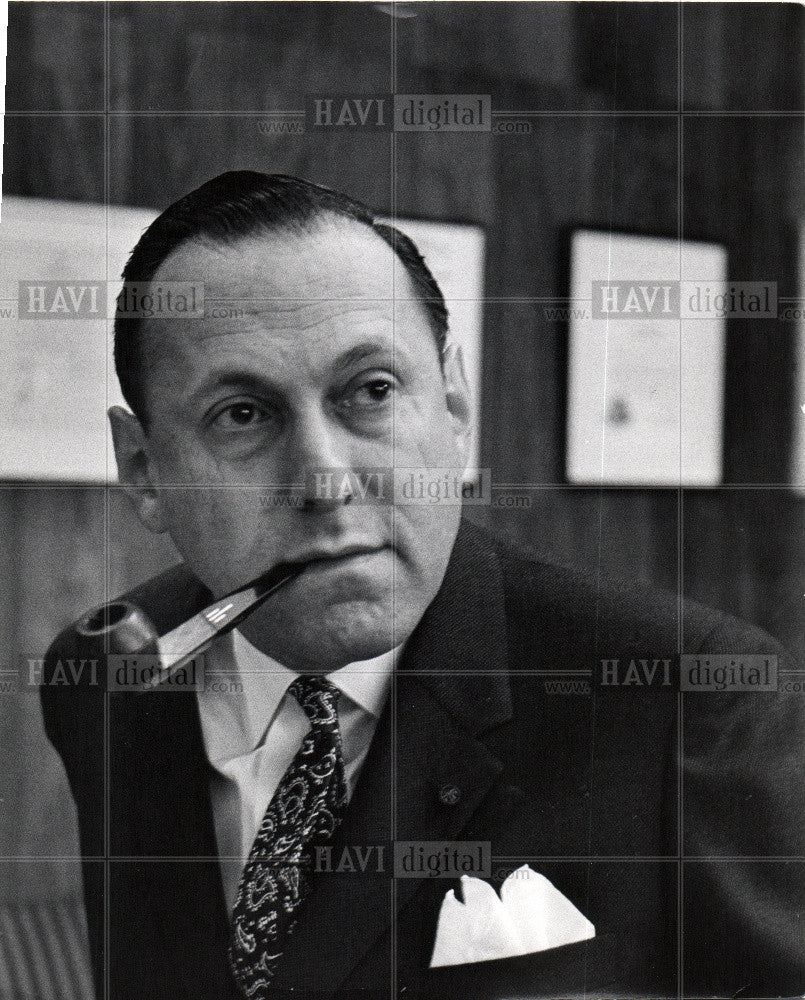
(205, 527)
(425, 434)
(183, 455)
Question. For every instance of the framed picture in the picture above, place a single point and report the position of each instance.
(57, 378)
(646, 360)
(798, 460)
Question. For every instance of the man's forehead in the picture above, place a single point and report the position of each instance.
(338, 259)
(310, 295)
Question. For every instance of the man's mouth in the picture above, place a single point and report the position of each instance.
(323, 558)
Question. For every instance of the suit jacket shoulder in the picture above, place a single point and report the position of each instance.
(585, 614)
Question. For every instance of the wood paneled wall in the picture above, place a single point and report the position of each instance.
(167, 94)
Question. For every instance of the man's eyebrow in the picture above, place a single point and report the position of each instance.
(228, 378)
(360, 352)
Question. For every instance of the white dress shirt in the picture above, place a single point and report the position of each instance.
(253, 728)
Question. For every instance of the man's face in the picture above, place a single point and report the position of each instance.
(332, 365)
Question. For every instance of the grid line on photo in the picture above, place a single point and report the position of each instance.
(525, 858)
(559, 113)
(107, 535)
(394, 691)
(680, 923)
(543, 487)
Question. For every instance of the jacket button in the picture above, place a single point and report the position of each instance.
(449, 795)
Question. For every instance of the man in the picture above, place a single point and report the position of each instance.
(242, 841)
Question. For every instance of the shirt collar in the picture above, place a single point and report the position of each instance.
(245, 688)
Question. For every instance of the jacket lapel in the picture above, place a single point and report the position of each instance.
(426, 774)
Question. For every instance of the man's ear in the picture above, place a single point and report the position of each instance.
(457, 394)
(135, 470)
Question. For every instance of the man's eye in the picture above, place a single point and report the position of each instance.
(373, 393)
(242, 414)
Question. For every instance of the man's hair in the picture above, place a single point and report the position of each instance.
(236, 205)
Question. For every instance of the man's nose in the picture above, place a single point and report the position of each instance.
(319, 460)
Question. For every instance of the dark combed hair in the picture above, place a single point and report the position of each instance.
(236, 205)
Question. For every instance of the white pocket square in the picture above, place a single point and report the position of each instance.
(530, 915)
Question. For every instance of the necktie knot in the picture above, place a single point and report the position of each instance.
(319, 699)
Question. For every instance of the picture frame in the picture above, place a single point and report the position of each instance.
(646, 356)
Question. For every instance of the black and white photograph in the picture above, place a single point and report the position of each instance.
(402, 500)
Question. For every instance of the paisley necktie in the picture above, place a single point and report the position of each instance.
(306, 809)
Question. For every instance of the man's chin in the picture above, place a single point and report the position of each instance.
(321, 642)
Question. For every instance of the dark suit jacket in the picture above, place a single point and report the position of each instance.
(671, 821)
